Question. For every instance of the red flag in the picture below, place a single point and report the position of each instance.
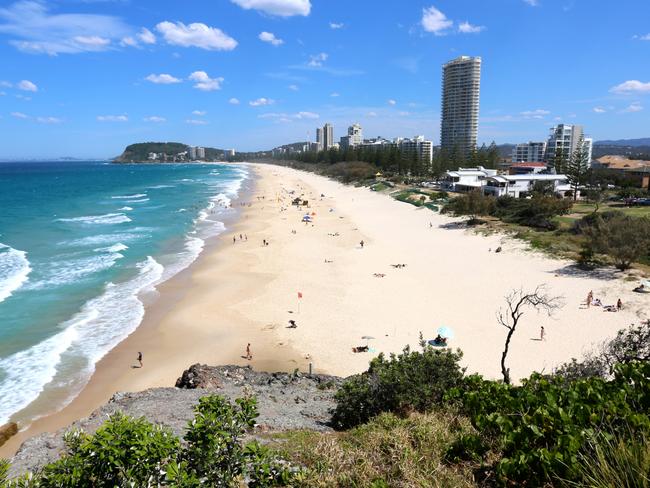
(299, 294)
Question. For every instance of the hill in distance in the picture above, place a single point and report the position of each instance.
(165, 152)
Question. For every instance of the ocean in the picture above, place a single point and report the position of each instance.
(81, 244)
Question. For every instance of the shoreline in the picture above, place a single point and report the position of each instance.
(245, 292)
(115, 371)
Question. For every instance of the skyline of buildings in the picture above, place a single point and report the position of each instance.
(567, 138)
(461, 87)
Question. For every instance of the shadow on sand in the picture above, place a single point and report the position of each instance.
(574, 270)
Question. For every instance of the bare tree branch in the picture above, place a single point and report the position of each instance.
(516, 302)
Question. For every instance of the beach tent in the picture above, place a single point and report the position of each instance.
(446, 332)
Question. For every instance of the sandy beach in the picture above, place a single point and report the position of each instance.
(242, 292)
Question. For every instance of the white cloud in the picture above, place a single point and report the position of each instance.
(536, 114)
(155, 118)
(19, 115)
(234, 101)
(283, 117)
(93, 43)
(317, 60)
(532, 3)
(631, 86)
(49, 120)
(645, 37)
(23, 97)
(112, 118)
(2, 94)
(196, 122)
(128, 41)
(261, 102)
(635, 107)
(335, 25)
(433, 20)
(162, 79)
(404, 113)
(467, 28)
(335, 95)
(37, 31)
(599, 110)
(6, 84)
(307, 115)
(199, 113)
(281, 8)
(392, 102)
(196, 35)
(372, 114)
(204, 82)
(27, 85)
(270, 38)
(146, 36)
(294, 87)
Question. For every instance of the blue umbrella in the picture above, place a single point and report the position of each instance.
(446, 332)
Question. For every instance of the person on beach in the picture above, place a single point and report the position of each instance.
(542, 333)
(234, 240)
(590, 298)
(619, 304)
(249, 356)
(362, 243)
(140, 358)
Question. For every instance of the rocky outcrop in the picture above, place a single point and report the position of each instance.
(7, 431)
(285, 401)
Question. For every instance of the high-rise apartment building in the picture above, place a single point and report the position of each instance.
(200, 152)
(566, 138)
(530, 152)
(461, 86)
(320, 138)
(354, 137)
(328, 137)
(422, 148)
(192, 153)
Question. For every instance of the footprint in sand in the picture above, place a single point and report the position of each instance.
(270, 327)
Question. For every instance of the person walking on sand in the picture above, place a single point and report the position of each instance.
(362, 243)
(590, 298)
(234, 239)
(249, 356)
(619, 304)
(542, 333)
(140, 358)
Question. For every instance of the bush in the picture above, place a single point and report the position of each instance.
(352, 171)
(474, 204)
(133, 452)
(624, 238)
(538, 211)
(541, 427)
(411, 381)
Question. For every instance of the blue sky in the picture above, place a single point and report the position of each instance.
(85, 78)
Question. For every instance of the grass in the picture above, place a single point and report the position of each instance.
(389, 451)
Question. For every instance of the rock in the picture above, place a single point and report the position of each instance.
(285, 401)
(7, 431)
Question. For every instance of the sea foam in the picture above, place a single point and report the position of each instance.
(111, 218)
(14, 270)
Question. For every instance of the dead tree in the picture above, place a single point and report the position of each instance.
(517, 301)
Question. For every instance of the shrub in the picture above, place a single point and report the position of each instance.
(474, 204)
(541, 426)
(411, 381)
(351, 171)
(134, 453)
(538, 211)
(624, 238)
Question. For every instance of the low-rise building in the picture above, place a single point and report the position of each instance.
(522, 185)
(526, 168)
(633, 171)
(467, 179)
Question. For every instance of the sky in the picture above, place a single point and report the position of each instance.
(85, 78)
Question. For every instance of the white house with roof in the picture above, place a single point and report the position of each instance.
(520, 185)
(467, 179)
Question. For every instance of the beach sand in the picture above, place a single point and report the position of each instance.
(247, 292)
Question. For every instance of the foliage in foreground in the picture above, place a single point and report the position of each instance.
(410, 381)
(388, 451)
(135, 453)
(541, 428)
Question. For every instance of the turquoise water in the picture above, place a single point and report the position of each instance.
(80, 244)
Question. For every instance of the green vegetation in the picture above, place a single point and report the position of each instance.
(388, 451)
(411, 381)
(132, 452)
(140, 152)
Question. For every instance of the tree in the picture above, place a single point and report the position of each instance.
(560, 160)
(578, 168)
(620, 236)
(517, 301)
(492, 156)
(595, 196)
(473, 203)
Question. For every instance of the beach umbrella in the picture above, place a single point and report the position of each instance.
(367, 338)
(446, 332)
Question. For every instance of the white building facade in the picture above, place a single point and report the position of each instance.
(530, 152)
(567, 138)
